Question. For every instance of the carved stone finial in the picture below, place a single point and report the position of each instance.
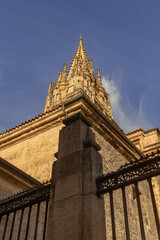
(91, 65)
(48, 98)
(59, 77)
(64, 72)
(81, 37)
(64, 68)
(99, 77)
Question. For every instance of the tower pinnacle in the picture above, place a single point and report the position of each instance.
(99, 77)
(48, 98)
(81, 37)
(79, 57)
(64, 72)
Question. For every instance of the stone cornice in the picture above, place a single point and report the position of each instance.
(40, 124)
(107, 122)
(80, 103)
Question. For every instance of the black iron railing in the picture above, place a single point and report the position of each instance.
(131, 174)
(139, 170)
(25, 214)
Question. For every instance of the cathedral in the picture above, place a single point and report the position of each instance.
(28, 151)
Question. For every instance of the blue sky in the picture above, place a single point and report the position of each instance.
(122, 38)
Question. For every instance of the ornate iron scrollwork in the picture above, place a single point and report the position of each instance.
(26, 198)
(129, 173)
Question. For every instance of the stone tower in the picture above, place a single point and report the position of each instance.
(80, 79)
(31, 146)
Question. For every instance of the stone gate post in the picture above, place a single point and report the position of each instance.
(78, 214)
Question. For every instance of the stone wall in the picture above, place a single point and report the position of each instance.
(8, 188)
(112, 159)
(34, 155)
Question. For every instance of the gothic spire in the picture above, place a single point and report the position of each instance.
(79, 80)
(79, 57)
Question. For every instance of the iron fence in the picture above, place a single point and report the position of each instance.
(131, 174)
(24, 215)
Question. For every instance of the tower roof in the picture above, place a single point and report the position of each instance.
(80, 58)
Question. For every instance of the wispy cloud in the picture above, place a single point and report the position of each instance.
(125, 114)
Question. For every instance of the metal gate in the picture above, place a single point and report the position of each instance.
(24, 215)
(131, 173)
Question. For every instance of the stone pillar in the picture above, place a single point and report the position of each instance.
(78, 214)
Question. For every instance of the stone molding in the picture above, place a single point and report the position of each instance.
(101, 123)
